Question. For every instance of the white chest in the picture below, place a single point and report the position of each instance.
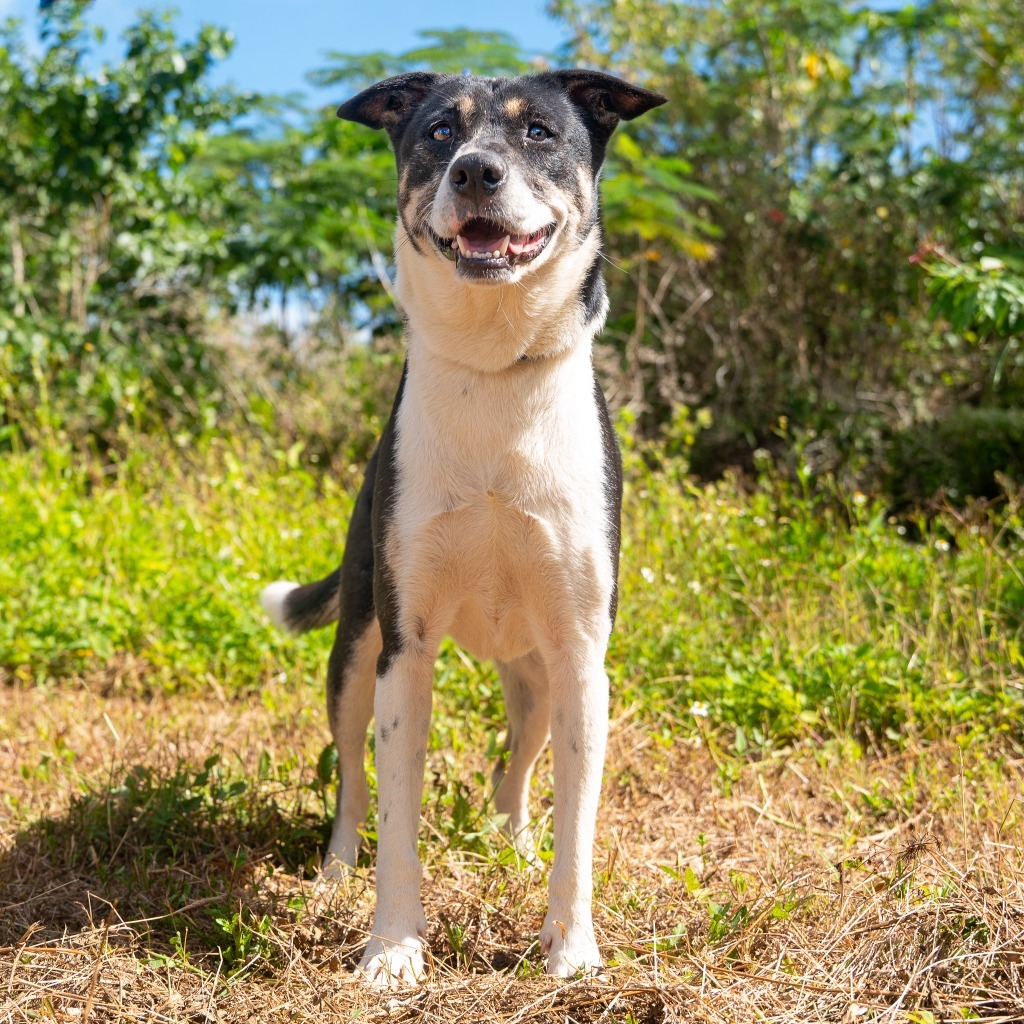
(500, 529)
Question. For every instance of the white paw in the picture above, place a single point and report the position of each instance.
(389, 965)
(570, 949)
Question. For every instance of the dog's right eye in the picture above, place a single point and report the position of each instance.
(441, 132)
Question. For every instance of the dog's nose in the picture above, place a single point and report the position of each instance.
(477, 175)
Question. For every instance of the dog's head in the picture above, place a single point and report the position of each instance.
(497, 177)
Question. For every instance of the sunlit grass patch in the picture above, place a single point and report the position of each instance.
(767, 616)
(174, 848)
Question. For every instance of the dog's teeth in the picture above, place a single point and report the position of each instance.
(504, 245)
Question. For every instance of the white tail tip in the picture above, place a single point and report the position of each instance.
(273, 598)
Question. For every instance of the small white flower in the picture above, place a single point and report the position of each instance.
(860, 499)
(648, 573)
(699, 709)
(759, 520)
(942, 545)
(695, 586)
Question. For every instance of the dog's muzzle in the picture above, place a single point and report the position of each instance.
(489, 239)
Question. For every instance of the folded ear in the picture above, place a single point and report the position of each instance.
(605, 98)
(389, 103)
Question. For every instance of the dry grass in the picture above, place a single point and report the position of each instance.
(812, 887)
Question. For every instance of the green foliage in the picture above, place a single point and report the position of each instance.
(987, 296)
(769, 612)
(983, 301)
(960, 455)
(105, 249)
(164, 598)
(453, 51)
(839, 139)
(307, 212)
(755, 619)
(188, 815)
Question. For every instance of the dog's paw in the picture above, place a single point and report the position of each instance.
(390, 965)
(571, 949)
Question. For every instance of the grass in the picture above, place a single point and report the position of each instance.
(155, 865)
(784, 616)
(812, 796)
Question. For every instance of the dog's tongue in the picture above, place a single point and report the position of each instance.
(525, 243)
(479, 236)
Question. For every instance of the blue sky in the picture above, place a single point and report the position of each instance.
(278, 41)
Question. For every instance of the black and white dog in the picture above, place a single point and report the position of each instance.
(490, 509)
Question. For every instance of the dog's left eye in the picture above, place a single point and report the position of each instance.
(537, 133)
(441, 132)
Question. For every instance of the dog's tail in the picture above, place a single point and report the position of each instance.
(298, 609)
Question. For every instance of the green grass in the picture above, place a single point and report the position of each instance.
(159, 843)
(762, 618)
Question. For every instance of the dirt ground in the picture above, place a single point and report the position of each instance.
(140, 882)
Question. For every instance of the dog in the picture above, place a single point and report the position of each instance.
(490, 509)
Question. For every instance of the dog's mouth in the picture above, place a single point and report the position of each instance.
(485, 245)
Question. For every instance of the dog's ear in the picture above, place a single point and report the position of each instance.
(389, 103)
(604, 99)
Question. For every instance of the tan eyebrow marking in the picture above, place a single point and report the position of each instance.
(515, 106)
(466, 107)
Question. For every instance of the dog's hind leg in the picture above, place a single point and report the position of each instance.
(351, 675)
(528, 706)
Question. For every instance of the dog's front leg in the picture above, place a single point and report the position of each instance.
(394, 954)
(579, 732)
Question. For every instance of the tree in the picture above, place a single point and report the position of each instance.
(107, 249)
(839, 138)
